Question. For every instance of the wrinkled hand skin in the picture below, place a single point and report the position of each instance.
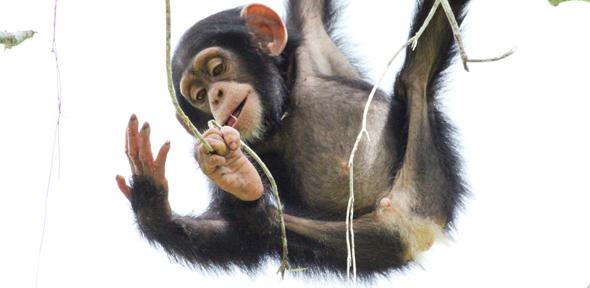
(228, 167)
(139, 153)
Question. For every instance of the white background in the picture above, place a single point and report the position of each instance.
(523, 124)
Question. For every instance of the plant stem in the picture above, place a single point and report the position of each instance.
(351, 259)
(179, 111)
(285, 257)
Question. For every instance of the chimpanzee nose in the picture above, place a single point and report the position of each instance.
(216, 94)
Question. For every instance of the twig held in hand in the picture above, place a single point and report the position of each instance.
(285, 259)
(179, 111)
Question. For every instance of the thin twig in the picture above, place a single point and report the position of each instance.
(424, 25)
(183, 116)
(510, 52)
(351, 259)
(458, 39)
(456, 31)
(350, 208)
(56, 144)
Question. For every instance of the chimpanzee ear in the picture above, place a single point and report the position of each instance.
(267, 28)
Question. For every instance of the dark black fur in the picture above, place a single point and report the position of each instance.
(232, 232)
(453, 188)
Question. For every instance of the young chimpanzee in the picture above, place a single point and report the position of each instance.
(288, 90)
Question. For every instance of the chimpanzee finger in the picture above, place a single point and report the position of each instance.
(212, 163)
(160, 162)
(145, 149)
(231, 136)
(216, 142)
(123, 186)
(132, 144)
(211, 132)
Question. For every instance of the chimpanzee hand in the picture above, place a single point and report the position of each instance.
(228, 167)
(141, 160)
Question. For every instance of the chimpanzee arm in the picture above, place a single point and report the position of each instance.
(318, 55)
(229, 232)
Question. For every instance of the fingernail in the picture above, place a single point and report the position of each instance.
(146, 125)
(167, 143)
(133, 117)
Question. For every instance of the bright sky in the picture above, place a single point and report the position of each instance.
(523, 124)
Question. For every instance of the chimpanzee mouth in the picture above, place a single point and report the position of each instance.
(232, 120)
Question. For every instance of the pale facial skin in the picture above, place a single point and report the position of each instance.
(214, 83)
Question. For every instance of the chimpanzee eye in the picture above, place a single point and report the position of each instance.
(198, 95)
(218, 70)
(216, 67)
(201, 95)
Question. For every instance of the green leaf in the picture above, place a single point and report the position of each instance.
(12, 39)
(557, 2)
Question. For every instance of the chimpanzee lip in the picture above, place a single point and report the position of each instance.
(236, 113)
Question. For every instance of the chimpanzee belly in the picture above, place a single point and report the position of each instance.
(317, 138)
